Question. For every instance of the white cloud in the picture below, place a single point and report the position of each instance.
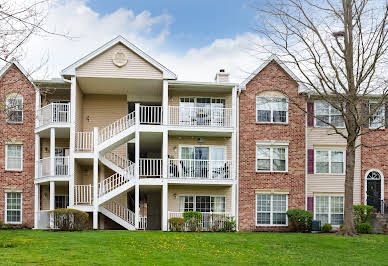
(146, 31)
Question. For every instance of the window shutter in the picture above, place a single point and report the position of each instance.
(386, 115)
(366, 113)
(310, 161)
(310, 204)
(310, 114)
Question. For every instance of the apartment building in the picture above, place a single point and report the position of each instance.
(121, 138)
(17, 123)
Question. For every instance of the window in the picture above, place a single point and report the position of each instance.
(329, 209)
(271, 109)
(324, 112)
(203, 111)
(377, 119)
(202, 203)
(14, 109)
(271, 158)
(14, 160)
(13, 207)
(271, 209)
(329, 162)
(61, 201)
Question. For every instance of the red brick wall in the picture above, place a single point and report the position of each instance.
(272, 77)
(14, 81)
(374, 158)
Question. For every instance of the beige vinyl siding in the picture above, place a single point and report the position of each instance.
(174, 96)
(45, 145)
(79, 110)
(177, 190)
(45, 195)
(323, 138)
(103, 66)
(174, 142)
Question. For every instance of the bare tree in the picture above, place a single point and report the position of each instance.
(338, 50)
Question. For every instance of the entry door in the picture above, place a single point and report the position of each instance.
(203, 111)
(218, 162)
(374, 194)
(195, 162)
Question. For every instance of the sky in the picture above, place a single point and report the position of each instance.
(194, 39)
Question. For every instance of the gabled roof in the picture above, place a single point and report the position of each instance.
(70, 70)
(263, 65)
(5, 68)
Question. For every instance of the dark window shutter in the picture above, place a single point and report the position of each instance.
(386, 115)
(310, 204)
(366, 113)
(310, 113)
(310, 161)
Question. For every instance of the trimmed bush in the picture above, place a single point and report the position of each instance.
(1, 224)
(364, 228)
(193, 220)
(326, 228)
(300, 219)
(362, 214)
(229, 224)
(177, 224)
(70, 219)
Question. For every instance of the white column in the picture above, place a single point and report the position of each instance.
(233, 201)
(137, 202)
(137, 153)
(165, 153)
(137, 113)
(37, 205)
(165, 102)
(52, 151)
(37, 154)
(165, 206)
(234, 106)
(95, 182)
(37, 106)
(52, 201)
(73, 100)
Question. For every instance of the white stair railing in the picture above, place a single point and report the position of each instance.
(151, 115)
(116, 127)
(44, 167)
(84, 141)
(61, 165)
(83, 194)
(120, 211)
(150, 167)
(116, 180)
(143, 222)
(117, 160)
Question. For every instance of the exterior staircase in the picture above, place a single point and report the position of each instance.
(115, 162)
(118, 213)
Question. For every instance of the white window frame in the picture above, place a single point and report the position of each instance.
(271, 145)
(195, 200)
(15, 97)
(330, 114)
(382, 116)
(329, 209)
(270, 100)
(330, 162)
(6, 157)
(271, 210)
(6, 208)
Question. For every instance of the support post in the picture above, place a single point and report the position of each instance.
(165, 206)
(52, 152)
(95, 182)
(165, 102)
(73, 100)
(37, 205)
(137, 113)
(233, 201)
(52, 202)
(137, 154)
(137, 203)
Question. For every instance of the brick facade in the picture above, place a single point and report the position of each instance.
(14, 81)
(271, 78)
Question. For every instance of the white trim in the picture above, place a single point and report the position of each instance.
(330, 114)
(271, 209)
(329, 154)
(180, 146)
(329, 205)
(70, 70)
(382, 183)
(6, 158)
(264, 144)
(195, 201)
(21, 208)
(272, 143)
(16, 95)
(272, 110)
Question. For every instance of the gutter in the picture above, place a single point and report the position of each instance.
(238, 155)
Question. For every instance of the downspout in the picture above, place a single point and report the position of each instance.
(306, 156)
(237, 155)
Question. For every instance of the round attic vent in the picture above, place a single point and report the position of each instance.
(120, 59)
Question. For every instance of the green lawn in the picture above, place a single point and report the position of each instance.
(126, 247)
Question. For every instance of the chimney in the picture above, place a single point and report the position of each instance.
(222, 76)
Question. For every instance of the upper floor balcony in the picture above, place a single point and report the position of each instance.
(53, 167)
(54, 114)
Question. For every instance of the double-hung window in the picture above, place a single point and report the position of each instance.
(14, 157)
(271, 158)
(326, 113)
(329, 209)
(202, 203)
(13, 207)
(271, 209)
(329, 162)
(14, 109)
(271, 109)
(378, 118)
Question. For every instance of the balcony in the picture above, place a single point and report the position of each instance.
(200, 169)
(61, 167)
(200, 117)
(84, 141)
(54, 113)
(210, 221)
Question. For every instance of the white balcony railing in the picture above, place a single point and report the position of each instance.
(83, 194)
(44, 167)
(143, 222)
(43, 218)
(200, 169)
(151, 115)
(61, 166)
(53, 113)
(200, 117)
(150, 167)
(210, 221)
(84, 141)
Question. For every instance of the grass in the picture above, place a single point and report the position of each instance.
(150, 248)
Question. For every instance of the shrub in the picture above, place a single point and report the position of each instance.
(362, 214)
(70, 219)
(1, 224)
(326, 228)
(9, 226)
(177, 224)
(300, 219)
(341, 225)
(364, 228)
(229, 224)
(193, 220)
